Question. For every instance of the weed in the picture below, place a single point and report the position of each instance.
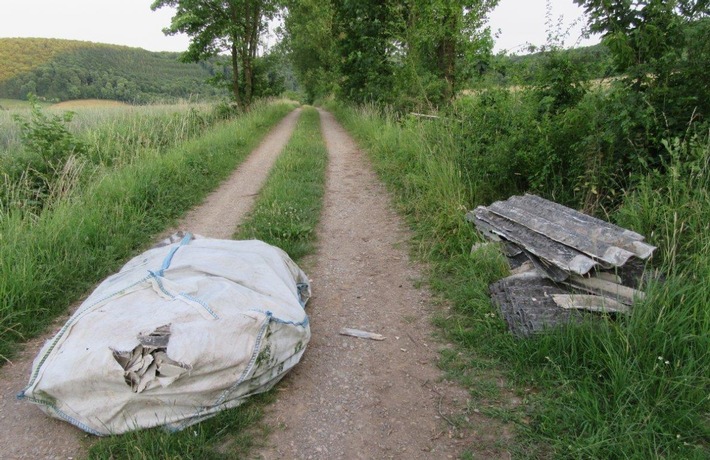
(288, 208)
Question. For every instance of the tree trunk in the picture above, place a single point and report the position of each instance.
(447, 50)
(252, 26)
(248, 75)
(235, 74)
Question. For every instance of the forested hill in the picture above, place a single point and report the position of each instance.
(595, 59)
(65, 69)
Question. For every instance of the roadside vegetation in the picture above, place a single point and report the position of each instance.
(635, 387)
(75, 205)
(635, 151)
(285, 214)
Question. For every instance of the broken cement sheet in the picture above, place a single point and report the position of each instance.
(148, 365)
(527, 306)
(181, 332)
(361, 334)
(588, 264)
(590, 303)
(567, 240)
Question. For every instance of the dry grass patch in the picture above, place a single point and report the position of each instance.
(79, 103)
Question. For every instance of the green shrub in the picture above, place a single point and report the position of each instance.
(48, 145)
(48, 136)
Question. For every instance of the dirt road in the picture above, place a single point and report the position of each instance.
(354, 398)
(25, 432)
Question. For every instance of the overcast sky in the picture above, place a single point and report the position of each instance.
(132, 23)
(120, 22)
(523, 22)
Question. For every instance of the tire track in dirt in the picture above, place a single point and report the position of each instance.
(354, 398)
(25, 431)
(222, 211)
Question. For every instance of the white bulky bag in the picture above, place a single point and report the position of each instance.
(180, 333)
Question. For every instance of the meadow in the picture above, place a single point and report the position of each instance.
(95, 116)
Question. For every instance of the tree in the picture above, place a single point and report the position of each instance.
(364, 29)
(646, 37)
(418, 49)
(310, 41)
(446, 33)
(445, 40)
(216, 26)
(661, 47)
(272, 72)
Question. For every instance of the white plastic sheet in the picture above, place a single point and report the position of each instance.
(181, 332)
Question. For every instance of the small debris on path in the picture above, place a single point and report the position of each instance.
(361, 334)
(365, 399)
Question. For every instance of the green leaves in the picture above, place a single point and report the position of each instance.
(310, 39)
(231, 26)
(47, 135)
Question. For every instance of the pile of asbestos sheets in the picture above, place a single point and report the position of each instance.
(565, 263)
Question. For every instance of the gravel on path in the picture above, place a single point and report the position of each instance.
(222, 211)
(353, 398)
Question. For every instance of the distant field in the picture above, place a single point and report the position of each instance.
(11, 104)
(594, 84)
(88, 103)
(89, 114)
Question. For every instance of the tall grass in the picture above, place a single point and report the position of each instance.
(104, 119)
(104, 137)
(637, 387)
(285, 214)
(48, 260)
(640, 387)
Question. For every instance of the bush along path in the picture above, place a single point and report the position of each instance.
(119, 214)
(358, 398)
